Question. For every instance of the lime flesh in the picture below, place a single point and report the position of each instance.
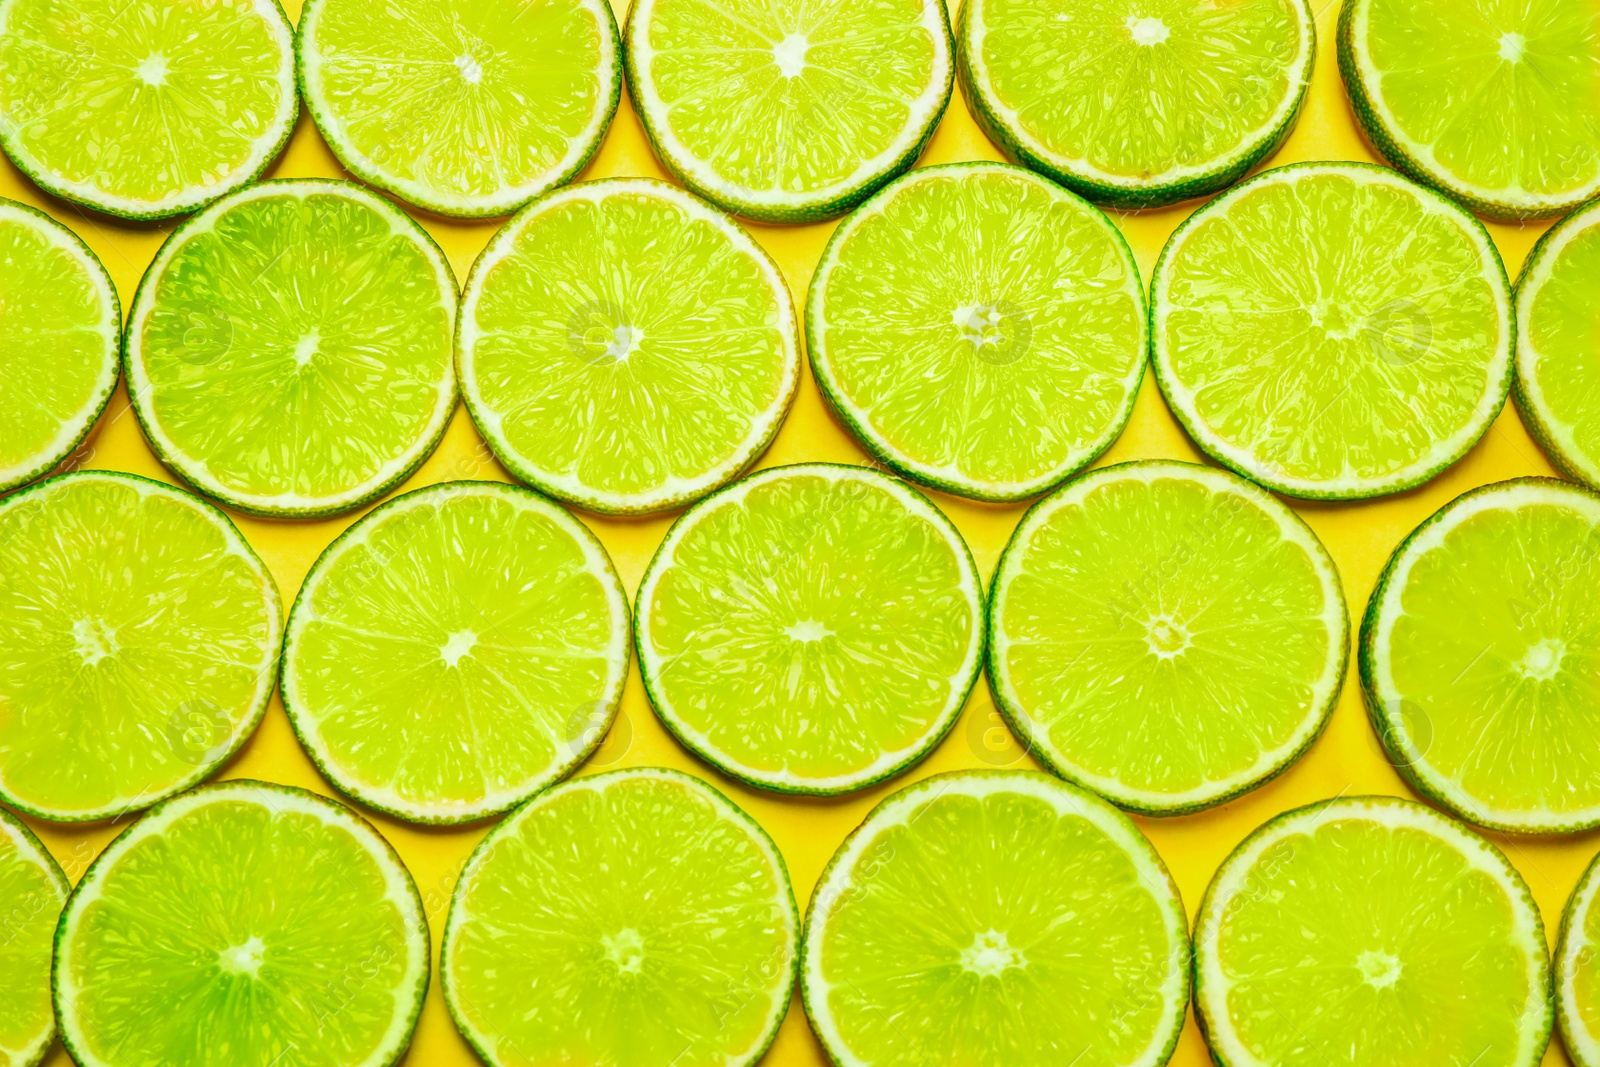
(32, 890)
(1577, 963)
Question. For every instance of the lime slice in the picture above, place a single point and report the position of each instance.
(788, 112)
(994, 372)
(145, 108)
(811, 629)
(1142, 104)
(468, 108)
(1496, 104)
(1480, 656)
(1578, 971)
(242, 925)
(625, 347)
(634, 919)
(32, 890)
(60, 328)
(1166, 634)
(1332, 331)
(1370, 931)
(289, 349)
(455, 651)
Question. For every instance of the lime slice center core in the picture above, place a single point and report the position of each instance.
(244, 958)
(991, 955)
(1148, 31)
(1380, 970)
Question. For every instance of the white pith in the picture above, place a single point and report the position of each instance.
(1575, 950)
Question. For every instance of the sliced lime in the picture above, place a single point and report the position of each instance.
(32, 890)
(999, 369)
(289, 349)
(634, 919)
(625, 347)
(1578, 971)
(1332, 331)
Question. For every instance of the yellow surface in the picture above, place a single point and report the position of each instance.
(1346, 761)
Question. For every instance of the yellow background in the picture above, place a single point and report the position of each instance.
(1346, 761)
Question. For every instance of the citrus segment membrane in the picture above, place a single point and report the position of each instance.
(32, 891)
(1578, 971)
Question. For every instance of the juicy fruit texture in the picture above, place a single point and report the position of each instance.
(999, 368)
(1480, 655)
(289, 349)
(812, 629)
(459, 649)
(1578, 971)
(242, 925)
(463, 107)
(32, 890)
(1370, 932)
(626, 348)
(144, 108)
(138, 640)
(631, 919)
(1166, 634)
(1330, 330)
(967, 909)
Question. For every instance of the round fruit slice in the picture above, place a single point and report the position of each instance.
(145, 108)
(1496, 104)
(1332, 331)
(1000, 369)
(240, 925)
(1137, 105)
(1480, 656)
(32, 891)
(1372, 931)
(633, 918)
(1578, 971)
(289, 349)
(60, 325)
(625, 347)
(788, 112)
(138, 642)
(811, 629)
(455, 651)
(1166, 634)
(468, 108)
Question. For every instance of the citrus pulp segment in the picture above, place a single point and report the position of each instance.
(138, 644)
(625, 347)
(32, 891)
(1578, 971)
(1332, 331)
(633, 919)
(289, 349)
(999, 367)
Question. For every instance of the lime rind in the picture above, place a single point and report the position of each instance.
(1574, 950)
(32, 849)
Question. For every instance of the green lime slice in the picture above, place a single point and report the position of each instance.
(811, 629)
(1370, 931)
(625, 347)
(1137, 105)
(634, 919)
(788, 112)
(138, 644)
(1495, 103)
(1332, 331)
(1480, 656)
(455, 651)
(1166, 634)
(32, 891)
(60, 330)
(289, 349)
(242, 925)
(1578, 971)
(145, 108)
(998, 370)
(468, 108)
(996, 919)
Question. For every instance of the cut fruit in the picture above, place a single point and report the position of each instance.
(1578, 971)
(1480, 656)
(811, 629)
(60, 329)
(32, 891)
(461, 107)
(788, 112)
(1375, 932)
(1166, 634)
(289, 349)
(626, 348)
(634, 918)
(1137, 105)
(959, 919)
(455, 651)
(145, 108)
(138, 643)
(1332, 331)
(241, 925)
(994, 371)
